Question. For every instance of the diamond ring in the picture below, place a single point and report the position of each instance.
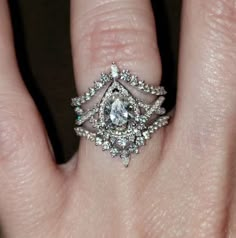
(120, 122)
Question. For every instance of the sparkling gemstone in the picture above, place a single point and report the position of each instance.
(118, 115)
(132, 138)
(98, 141)
(114, 71)
(140, 141)
(125, 159)
(146, 135)
(106, 145)
(79, 117)
(122, 142)
(134, 149)
(98, 85)
(114, 152)
(92, 91)
(79, 110)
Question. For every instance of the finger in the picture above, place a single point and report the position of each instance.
(120, 31)
(26, 164)
(206, 98)
(206, 102)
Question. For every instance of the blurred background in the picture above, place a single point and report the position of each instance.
(42, 40)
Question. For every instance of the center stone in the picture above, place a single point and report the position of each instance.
(118, 115)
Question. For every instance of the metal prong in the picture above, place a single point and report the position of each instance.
(115, 72)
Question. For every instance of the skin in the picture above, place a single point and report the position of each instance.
(183, 182)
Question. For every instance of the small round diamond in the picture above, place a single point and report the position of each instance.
(122, 142)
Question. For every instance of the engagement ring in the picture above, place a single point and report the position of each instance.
(120, 122)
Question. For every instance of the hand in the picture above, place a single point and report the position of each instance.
(183, 182)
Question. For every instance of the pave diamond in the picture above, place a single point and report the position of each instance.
(122, 142)
(98, 141)
(106, 145)
(118, 115)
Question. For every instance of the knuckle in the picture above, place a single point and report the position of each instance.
(123, 34)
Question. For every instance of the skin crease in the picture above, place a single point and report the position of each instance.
(183, 182)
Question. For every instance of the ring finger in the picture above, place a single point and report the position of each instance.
(120, 31)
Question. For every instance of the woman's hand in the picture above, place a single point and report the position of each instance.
(183, 182)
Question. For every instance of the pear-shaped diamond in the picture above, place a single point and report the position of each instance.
(118, 115)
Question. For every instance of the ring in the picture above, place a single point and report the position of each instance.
(120, 122)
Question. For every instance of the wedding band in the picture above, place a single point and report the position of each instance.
(119, 122)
